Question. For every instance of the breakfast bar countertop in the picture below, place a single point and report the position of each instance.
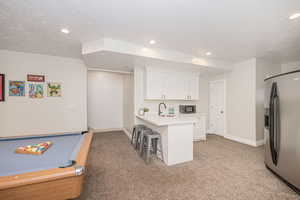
(166, 121)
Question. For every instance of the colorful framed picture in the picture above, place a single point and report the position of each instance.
(2, 87)
(54, 89)
(35, 78)
(16, 88)
(36, 91)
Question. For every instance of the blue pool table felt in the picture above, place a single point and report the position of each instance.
(64, 149)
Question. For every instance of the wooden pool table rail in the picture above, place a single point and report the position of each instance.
(63, 180)
(41, 135)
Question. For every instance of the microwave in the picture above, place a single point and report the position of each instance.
(187, 109)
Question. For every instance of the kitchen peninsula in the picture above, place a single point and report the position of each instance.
(176, 134)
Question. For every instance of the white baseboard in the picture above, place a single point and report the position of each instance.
(260, 142)
(128, 133)
(245, 141)
(201, 138)
(106, 130)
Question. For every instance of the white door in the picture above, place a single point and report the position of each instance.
(217, 107)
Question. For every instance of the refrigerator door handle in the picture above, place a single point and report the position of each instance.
(275, 100)
(274, 123)
(277, 126)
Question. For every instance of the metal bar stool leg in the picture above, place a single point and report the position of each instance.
(149, 141)
(142, 147)
(133, 135)
(161, 148)
(138, 139)
(154, 145)
(142, 143)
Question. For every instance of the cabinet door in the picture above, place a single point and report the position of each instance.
(193, 87)
(175, 87)
(155, 84)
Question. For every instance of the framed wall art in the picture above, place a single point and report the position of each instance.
(2, 87)
(54, 89)
(16, 88)
(36, 91)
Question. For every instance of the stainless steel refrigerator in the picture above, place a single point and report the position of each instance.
(282, 127)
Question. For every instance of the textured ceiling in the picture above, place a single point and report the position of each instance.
(231, 29)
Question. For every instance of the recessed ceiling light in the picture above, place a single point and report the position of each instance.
(208, 53)
(65, 30)
(294, 16)
(152, 41)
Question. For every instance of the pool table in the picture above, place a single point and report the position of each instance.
(56, 174)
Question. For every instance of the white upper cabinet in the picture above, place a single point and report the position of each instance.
(171, 85)
(174, 89)
(155, 84)
(192, 86)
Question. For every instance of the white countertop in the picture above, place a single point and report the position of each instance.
(166, 121)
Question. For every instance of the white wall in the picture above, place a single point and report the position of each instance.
(245, 99)
(286, 67)
(128, 103)
(240, 101)
(105, 100)
(25, 116)
(138, 88)
(203, 102)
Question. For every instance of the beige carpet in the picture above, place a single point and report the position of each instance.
(221, 170)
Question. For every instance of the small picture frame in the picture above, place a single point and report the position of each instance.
(36, 90)
(2, 87)
(54, 89)
(35, 78)
(16, 88)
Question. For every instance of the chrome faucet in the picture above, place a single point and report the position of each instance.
(159, 108)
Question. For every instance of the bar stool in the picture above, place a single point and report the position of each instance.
(142, 134)
(150, 139)
(136, 134)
